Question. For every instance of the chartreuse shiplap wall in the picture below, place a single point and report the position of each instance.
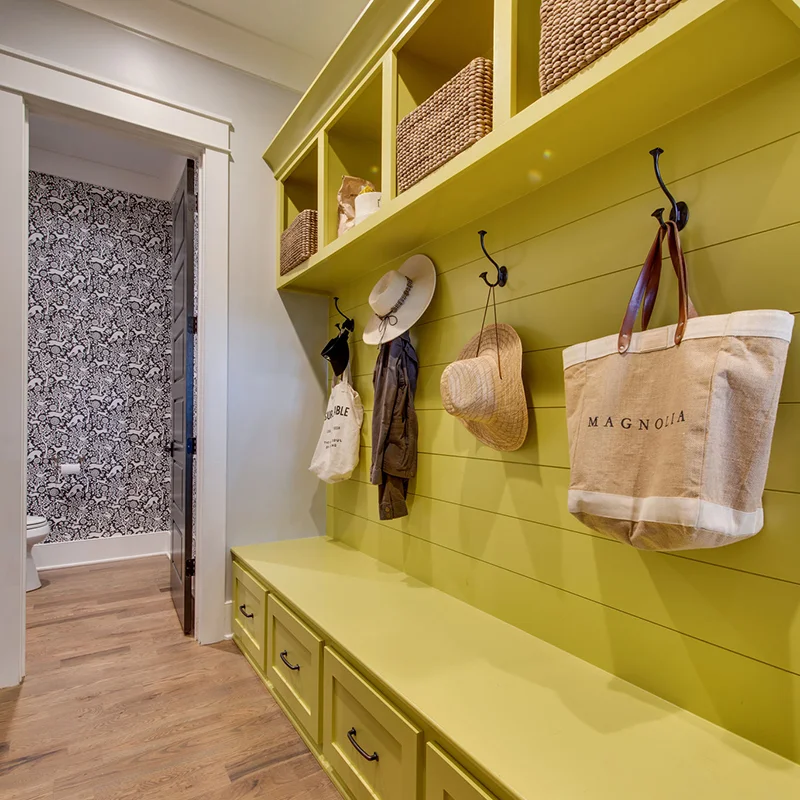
(715, 631)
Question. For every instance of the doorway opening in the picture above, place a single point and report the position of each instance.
(112, 308)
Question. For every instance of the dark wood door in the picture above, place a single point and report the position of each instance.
(182, 446)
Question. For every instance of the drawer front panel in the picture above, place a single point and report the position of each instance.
(250, 615)
(446, 780)
(294, 659)
(371, 745)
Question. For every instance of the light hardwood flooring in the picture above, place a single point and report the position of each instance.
(119, 705)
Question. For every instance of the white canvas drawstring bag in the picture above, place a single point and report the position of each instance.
(337, 451)
(670, 429)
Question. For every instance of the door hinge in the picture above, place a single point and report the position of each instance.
(190, 565)
(191, 324)
(191, 446)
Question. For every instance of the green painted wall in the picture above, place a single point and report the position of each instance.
(714, 631)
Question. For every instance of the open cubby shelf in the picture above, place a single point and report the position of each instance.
(300, 187)
(353, 147)
(444, 42)
(696, 52)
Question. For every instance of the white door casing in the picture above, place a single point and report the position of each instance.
(13, 381)
(30, 82)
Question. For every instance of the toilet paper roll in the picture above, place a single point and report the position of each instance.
(70, 469)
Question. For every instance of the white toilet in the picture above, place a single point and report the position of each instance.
(38, 530)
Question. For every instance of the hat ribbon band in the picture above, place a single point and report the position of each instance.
(390, 317)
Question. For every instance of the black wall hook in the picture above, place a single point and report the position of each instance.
(680, 211)
(348, 324)
(502, 272)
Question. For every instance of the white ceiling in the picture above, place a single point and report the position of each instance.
(285, 41)
(312, 27)
(83, 152)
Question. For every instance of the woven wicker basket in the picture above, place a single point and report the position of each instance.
(576, 32)
(299, 240)
(448, 122)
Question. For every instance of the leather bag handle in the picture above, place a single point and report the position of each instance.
(652, 290)
(645, 280)
(646, 288)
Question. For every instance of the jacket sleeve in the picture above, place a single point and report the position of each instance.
(385, 385)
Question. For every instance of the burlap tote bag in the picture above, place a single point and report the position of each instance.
(670, 429)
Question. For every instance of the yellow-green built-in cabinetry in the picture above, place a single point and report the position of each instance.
(696, 52)
(717, 632)
(425, 698)
(565, 187)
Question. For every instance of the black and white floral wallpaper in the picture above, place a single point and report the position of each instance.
(98, 383)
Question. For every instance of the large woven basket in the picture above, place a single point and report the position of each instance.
(576, 32)
(299, 240)
(447, 123)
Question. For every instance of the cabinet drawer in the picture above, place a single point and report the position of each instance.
(371, 745)
(446, 780)
(250, 615)
(294, 660)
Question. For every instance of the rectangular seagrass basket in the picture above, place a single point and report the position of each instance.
(448, 122)
(576, 32)
(299, 240)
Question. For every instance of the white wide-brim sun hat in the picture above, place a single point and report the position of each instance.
(484, 388)
(399, 299)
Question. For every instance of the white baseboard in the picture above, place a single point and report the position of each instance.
(58, 555)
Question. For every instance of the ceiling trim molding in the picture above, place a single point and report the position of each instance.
(190, 29)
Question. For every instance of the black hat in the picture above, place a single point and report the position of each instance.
(337, 351)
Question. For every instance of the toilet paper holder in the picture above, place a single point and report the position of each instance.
(57, 462)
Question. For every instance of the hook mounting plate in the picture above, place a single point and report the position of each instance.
(502, 277)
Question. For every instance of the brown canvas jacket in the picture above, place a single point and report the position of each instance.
(394, 425)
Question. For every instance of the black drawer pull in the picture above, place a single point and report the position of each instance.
(351, 735)
(286, 660)
(243, 608)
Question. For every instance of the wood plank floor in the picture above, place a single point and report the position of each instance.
(119, 705)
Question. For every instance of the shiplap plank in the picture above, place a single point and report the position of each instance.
(542, 372)
(773, 553)
(442, 434)
(547, 443)
(494, 487)
(751, 698)
(751, 615)
(722, 279)
(543, 376)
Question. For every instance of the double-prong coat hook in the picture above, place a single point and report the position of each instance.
(502, 272)
(680, 211)
(348, 324)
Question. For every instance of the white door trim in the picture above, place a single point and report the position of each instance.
(13, 385)
(41, 78)
(211, 414)
(46, 86)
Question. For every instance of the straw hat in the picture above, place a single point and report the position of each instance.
(492, 408)
(399, 299)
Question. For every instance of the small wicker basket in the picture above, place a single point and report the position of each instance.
(447, 123)
(299, 240)
(576, 32)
